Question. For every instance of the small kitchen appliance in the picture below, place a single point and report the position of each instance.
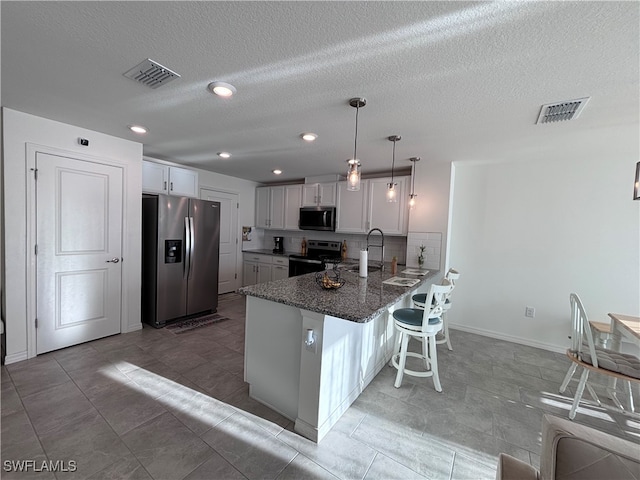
(278, 244)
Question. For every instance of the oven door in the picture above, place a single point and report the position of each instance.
(300, 266)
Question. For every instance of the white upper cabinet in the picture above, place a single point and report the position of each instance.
(352, 210)
(155, 177)
(158, 178)
(367, 208)
(320, 194)
(276, 205)
(270, 207)
(292, 204)
(391, 218)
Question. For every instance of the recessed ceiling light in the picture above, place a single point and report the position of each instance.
(224, 154)
(222, 89)
(309, 137)
(137, 129)
(277, 172)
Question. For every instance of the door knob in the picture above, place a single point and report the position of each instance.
(113, 260)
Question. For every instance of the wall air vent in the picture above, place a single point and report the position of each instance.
(556, 112)
(151, 74)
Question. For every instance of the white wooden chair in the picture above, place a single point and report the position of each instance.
(419, 300)
(424, 324)
(584, 353)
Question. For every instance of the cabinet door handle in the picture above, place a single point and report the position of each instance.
(165, 185)
(172, 186)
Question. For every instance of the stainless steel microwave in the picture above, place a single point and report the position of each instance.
(318, 218)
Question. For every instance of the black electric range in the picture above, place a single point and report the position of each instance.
(320, 253)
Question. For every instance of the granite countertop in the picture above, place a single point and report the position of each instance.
(359, 300)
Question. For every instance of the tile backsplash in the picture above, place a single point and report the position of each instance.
(433, 243)
(404, 248)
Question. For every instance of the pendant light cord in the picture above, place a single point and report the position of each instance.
(414, 160)
(393, 161)
(355, 142)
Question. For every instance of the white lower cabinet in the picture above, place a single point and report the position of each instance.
(279, 272)
(259, 268)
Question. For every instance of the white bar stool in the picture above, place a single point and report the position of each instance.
(423, 324)
(419, 300)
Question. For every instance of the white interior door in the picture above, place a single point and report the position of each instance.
(227, 274)
(79, 248)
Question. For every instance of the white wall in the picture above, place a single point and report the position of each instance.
(20, 129)
(431, 212)
(528, 234)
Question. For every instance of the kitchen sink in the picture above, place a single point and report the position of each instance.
(370, 268)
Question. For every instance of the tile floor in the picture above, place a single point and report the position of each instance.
(156, 405)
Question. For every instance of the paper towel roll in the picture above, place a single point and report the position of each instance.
(363, 263)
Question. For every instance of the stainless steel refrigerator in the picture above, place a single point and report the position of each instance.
(180, 250)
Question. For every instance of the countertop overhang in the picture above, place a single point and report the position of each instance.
(358, 300)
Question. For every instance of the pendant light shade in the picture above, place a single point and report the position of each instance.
(392, 194)
(353, 175)
(353, 172)
(413, 195)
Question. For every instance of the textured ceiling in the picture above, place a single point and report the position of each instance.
(458, 81)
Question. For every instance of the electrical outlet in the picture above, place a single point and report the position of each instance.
(529, 312)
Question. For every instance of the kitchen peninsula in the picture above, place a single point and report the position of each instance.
(310, 352)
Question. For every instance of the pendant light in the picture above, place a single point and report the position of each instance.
(353, 173)
(413, 195)
(392, 194)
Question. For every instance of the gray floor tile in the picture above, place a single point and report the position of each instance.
(57, 406)
(198, 411)
(80, 357)
(384, 468)
(89, 441)
(166, 448)
(517, 433)
(420, 454)
(162, 392)
(465, 468)
(18, 437)
(338, 453)
(213, 380)
(126, 406)
(252, 450)
(94, 382)
(125, 468)
(214, 468)
(37, 376)
(302, 468)
(180, 358)
(10, 400)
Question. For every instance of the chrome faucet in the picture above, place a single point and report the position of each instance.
(381, 245)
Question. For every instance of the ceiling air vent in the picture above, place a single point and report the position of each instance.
(151, 74)
(556, 112)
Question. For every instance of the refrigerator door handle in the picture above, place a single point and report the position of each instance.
(192, 243)
(187, 247)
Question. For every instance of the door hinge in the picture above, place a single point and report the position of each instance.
(36, 323)
(238, 205)
(235, 276)
(35, 250)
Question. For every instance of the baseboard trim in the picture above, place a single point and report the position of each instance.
(15, 357)
(509, 338)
